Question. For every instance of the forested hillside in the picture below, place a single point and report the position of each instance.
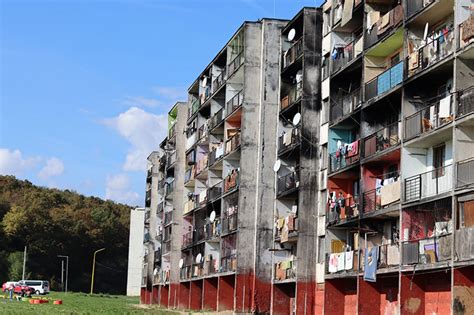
(52, 222)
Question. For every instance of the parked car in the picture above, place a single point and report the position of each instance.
(7, 285)
(39, 286)
(23, 290)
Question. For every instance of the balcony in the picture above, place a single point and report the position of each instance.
(185, 272)
(201, 164)
(190, 205)
(289, 140)
(202, 133)
(428, 184)
(465, 102)
(168, 218)
(342, 209)
(171, 159)
(343, 158)
(216, 119)
(172, 131)
(381, 140)
(412, 7)
(384, 82)
(169, 188)
(285, 270)
(235, 64)
(288, 183)
(166, 247)
(188, 239)
(214, 192)
(465, 173)
(235, 102)
(427, 251)
(428, 119)
(231, 181)
(346, 57)
(286, 229)
(379, 198)
(230, 223)
(195, 104)
(294, 96)
(229, 263)
(463, 243)
(218, 81)
(465, 32)
(384, 26)
(349, 262)
(209, 231)
(431, 53)
(162, 162)
(344, 104)
(293, 53)
(189, 175)
(216, 154)
(149, 174)
(232, 143)
(389, 256)
(209, 267)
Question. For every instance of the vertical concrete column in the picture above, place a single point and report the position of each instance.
(309, 161)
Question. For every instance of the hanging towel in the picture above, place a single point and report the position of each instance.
(340, 261)
(370, 264)
(349, 256)
(332, 263)
(354, 149)
(444, 107)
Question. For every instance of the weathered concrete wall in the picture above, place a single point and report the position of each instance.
(135, 252)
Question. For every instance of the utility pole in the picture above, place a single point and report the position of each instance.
(93, 269)
(67, 270)
(24, 264)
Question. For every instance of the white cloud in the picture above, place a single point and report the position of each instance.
(143, 130)
(12, 162)
(142, 101)
(53, 167)
(118, 189)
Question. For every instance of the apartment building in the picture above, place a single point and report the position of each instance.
(397, 88)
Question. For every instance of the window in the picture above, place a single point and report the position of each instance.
(438, 160)
(466, 214)
(394, 60)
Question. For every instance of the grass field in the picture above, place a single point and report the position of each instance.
(79, 303)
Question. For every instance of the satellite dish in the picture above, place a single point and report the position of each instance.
(276, 166)
(296, 119)
(198, 258)
(291, 34)
(181, 263)
(212, 217)
(155, 272)
(169, 180)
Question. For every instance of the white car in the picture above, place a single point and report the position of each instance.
(40, 286)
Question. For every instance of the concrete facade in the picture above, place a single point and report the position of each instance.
(135, 251)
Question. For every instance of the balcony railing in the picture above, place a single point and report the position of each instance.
(232, 143)
(339, 162)
(215, 154)
(376, 199)
(235, 64)
(231, 181)
(427, 251)
(189, 174)
(289, 139)
(348, 265)
(285, 270)
(465, 173)
(384, 81)
(235, 102)
(188, 239)
(185, 272)
(168, 217)
(466, 102)
(288, 182)
(216, 119)
(295, 51)
(209, 267)
(214, 192)
(431, 53)
(196, 103)
(294, 95)
(414, 6)
(389, 255)
(347, 56)
(429, 183)
(345, 103)
(229, 263)
(342, 209)
(218, 81)
(428, 119)
(201, 164)
(190, 205)
(381, 140)
(384, 26)
(211, 230)
(202, 132)
(230, 223)
(171, 159)
(169, 188)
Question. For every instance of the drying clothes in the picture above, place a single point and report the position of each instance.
(332, 263)
(353, 149)
(444, 107)
(341, 261)
(393, 255)
(349, 256)
(370, 264)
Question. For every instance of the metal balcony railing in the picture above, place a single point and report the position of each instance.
(384, 81)
(215, 154)
(294, 95)
(195, 104)
(378, 31)
(171, 159)
(216, 119)
(414, 6)
(168, 217)
(231, 181)
(293, 53)
(431, 53)
(214, 192)
(235, 64)
(188, 239)
(342, 209)
(229, 263)
(235, 102)
(218, 81)
(427, 251)
(465, 173)
(230, 223)
(429, 183)
(427, 119)
(381, 140)
(232, 143)
(345, 103)
(201, 164)
(348, 55)
(339, 162)
(376, 199)
(289, 140)
(465, 102)
(288, 182)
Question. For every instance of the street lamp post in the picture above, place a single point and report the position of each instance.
(93, 269)
(67, 269)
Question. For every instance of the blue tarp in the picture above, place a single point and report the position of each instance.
(370, 264)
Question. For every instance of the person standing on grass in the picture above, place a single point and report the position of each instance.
(10, 292)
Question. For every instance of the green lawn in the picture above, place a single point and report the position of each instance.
(80, 303)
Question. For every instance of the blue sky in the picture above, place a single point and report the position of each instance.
(85, 85)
